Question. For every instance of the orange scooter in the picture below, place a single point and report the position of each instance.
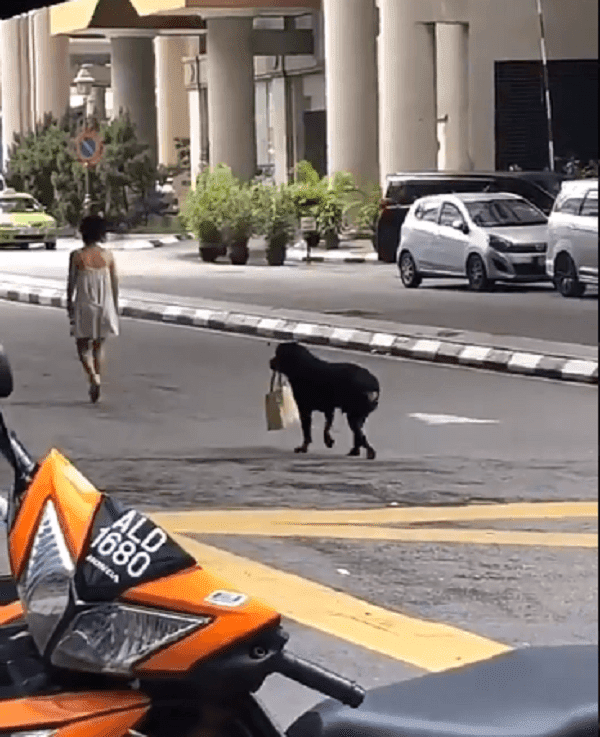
(109, 628)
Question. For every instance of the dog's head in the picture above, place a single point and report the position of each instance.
(286, 358)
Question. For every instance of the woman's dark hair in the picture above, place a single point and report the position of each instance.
(93, 229)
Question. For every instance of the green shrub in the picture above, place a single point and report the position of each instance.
(44, 164)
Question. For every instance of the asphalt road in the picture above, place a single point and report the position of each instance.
(181, 427)
(370, 291)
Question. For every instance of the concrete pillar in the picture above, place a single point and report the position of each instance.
(172, 99)
(26, 77)
(195, 82)
(230, 76)
(51, 68)
(279, 117)
(453, 95)
(408, 140)
(11, 83)
(351, 77)
(133, 84)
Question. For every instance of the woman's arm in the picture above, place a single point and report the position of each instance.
(71, 282)
(114, 280)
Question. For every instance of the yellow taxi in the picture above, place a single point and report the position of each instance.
(23, 220)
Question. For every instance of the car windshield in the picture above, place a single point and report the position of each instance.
(499, 213)
(19, 204)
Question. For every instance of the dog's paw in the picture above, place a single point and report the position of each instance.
(354, 453)
(371, 454)
(329, 441)
(301, 449)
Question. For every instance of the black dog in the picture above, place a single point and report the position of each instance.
(321, 386)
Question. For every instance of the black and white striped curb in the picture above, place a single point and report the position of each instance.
(389, 344)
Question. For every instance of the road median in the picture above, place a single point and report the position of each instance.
(505, 354)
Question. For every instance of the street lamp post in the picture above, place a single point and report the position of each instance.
(546, 78)
(84, 82)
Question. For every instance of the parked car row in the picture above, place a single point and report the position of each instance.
(489, 237)
(402, 191)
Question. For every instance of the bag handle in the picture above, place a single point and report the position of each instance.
(275, 375)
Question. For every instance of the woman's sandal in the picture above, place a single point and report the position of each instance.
(94, 391)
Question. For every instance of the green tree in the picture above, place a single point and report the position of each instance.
(41, 161)
(125, 173)
(44, 164)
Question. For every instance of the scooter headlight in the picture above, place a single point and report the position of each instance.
(45, 585)
(112, 638)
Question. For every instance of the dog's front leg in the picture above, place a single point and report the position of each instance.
(306, 420)
(329, 441)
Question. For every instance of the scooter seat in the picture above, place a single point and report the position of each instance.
(537, 692)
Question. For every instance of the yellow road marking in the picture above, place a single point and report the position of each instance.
(363, 524)
(394, 515)
(427, 645)
(471, 537)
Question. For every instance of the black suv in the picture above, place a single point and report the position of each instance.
(540, 188)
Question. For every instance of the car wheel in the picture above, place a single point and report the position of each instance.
(566, 279)
(408, 271)
(23, 246)
(50, 246)
(477, 275)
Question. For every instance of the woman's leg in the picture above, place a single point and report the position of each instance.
(98, 353)
(84, 351)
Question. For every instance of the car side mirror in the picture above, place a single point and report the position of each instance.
(6, 379)
(460, 225)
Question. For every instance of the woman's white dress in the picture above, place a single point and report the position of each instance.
(94, 312)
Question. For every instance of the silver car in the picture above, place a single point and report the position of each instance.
(483, 237)
(572, 261)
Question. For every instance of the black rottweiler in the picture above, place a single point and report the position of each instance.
(321, 386)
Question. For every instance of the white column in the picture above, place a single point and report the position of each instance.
(11, 83)
(351, 77)
(453, 94)
(51, 67)
(26, 77)
(230, 75)
(408, 140)
(133, 85)
(278, 114)
(172, 99)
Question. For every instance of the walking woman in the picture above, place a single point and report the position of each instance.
(92, 299)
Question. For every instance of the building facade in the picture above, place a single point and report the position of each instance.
(368, 86)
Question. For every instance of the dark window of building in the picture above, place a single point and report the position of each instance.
(521, 121)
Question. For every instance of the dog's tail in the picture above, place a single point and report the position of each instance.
(373, 399)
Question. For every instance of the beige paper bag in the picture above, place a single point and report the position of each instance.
(281, 409)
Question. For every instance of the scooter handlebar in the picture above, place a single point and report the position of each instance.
(320, 679)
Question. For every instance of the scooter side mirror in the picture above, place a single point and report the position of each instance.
(6, 378)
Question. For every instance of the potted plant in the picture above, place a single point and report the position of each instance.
(239, 223)
(276, 220)
(369, 211)
(339, 195)
(206, 210)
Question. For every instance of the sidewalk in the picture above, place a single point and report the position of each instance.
(352, 252)
(506, 354)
